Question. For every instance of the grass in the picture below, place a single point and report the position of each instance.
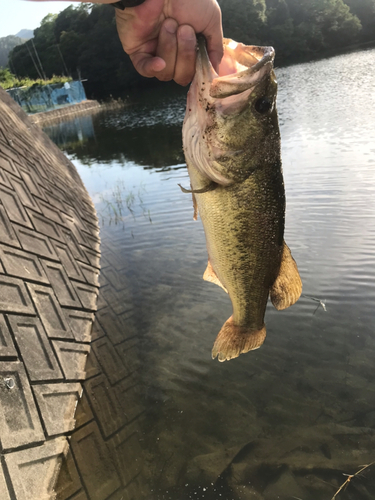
(9, 81)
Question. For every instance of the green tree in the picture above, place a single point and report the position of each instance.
(6, 78)
(7, 43)
(302, 28)
(243, 20)
(83, 40)
(365, 11)
(72, 20)
(279, 29)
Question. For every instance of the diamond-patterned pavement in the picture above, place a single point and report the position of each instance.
(49, 267)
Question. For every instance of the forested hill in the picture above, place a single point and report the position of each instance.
(7, 43)
(82, 41)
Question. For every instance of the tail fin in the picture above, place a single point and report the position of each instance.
(234, 340)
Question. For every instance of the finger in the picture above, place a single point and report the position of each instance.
(147, 65)
(214, 37)
(167, 48)
(185, 64)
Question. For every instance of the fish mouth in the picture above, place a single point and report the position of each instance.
(241, 69)
(214, 102)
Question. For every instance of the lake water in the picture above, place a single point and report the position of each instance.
(286, 421)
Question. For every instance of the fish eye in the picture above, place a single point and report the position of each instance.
(263, 105)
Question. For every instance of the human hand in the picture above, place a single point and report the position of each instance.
(159, 36)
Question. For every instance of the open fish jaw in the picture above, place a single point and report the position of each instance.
(217, 132)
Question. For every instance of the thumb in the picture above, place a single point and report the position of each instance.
(146, 64)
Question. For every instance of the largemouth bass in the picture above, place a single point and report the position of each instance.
(232, 147)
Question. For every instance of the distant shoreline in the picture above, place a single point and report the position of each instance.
(325, 54)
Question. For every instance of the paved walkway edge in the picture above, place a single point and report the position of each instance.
(49, 270)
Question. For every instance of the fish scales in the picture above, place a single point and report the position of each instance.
(232, 147)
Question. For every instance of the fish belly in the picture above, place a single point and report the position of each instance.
(244, 225)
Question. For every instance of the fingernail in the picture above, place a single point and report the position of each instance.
(186, 33)
(170, 28)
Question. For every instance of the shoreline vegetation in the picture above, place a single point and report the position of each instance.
(8, 80)
(82, 42)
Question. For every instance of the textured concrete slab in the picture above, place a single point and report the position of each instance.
(72, 357)
(118, 301)
(83, 413)
(35, 242)
(57, 404)
(34, 471)
(41, 359)
(109, 360)
(4, 491)
(99, 473)
(93, 257)
(14, 297)
(97, 331)
(31, 181)
(50, 212)
(90, 273)
(91, 242)
(105, 404)
(71, 241)
(22, 265)
(32, 340)
(7, 233)
(50, 312)
(19, 421)
(80, 323)
(88, 295)
(111, 325)
(6, 163)
(45, 226)
(61, 284)
(4, 179)
(72, 269)
(7, 349)
(115, 279)
(81, 495)
(127, 452)
(13, 207)
(68, 482)
(23, 193)
(92, 366)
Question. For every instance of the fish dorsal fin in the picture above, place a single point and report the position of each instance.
(287, 287)
(211, 276)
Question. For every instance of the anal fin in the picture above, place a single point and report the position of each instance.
(287, 287)
(211, 276)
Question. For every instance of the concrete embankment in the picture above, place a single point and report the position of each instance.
(50, 261)
(66, 112)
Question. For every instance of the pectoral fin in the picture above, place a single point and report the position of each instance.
(287, 287)
(211, 276)
(206, 189)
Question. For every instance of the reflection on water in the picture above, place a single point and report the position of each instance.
(160, 419)
(147, 133)
(73, 133)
